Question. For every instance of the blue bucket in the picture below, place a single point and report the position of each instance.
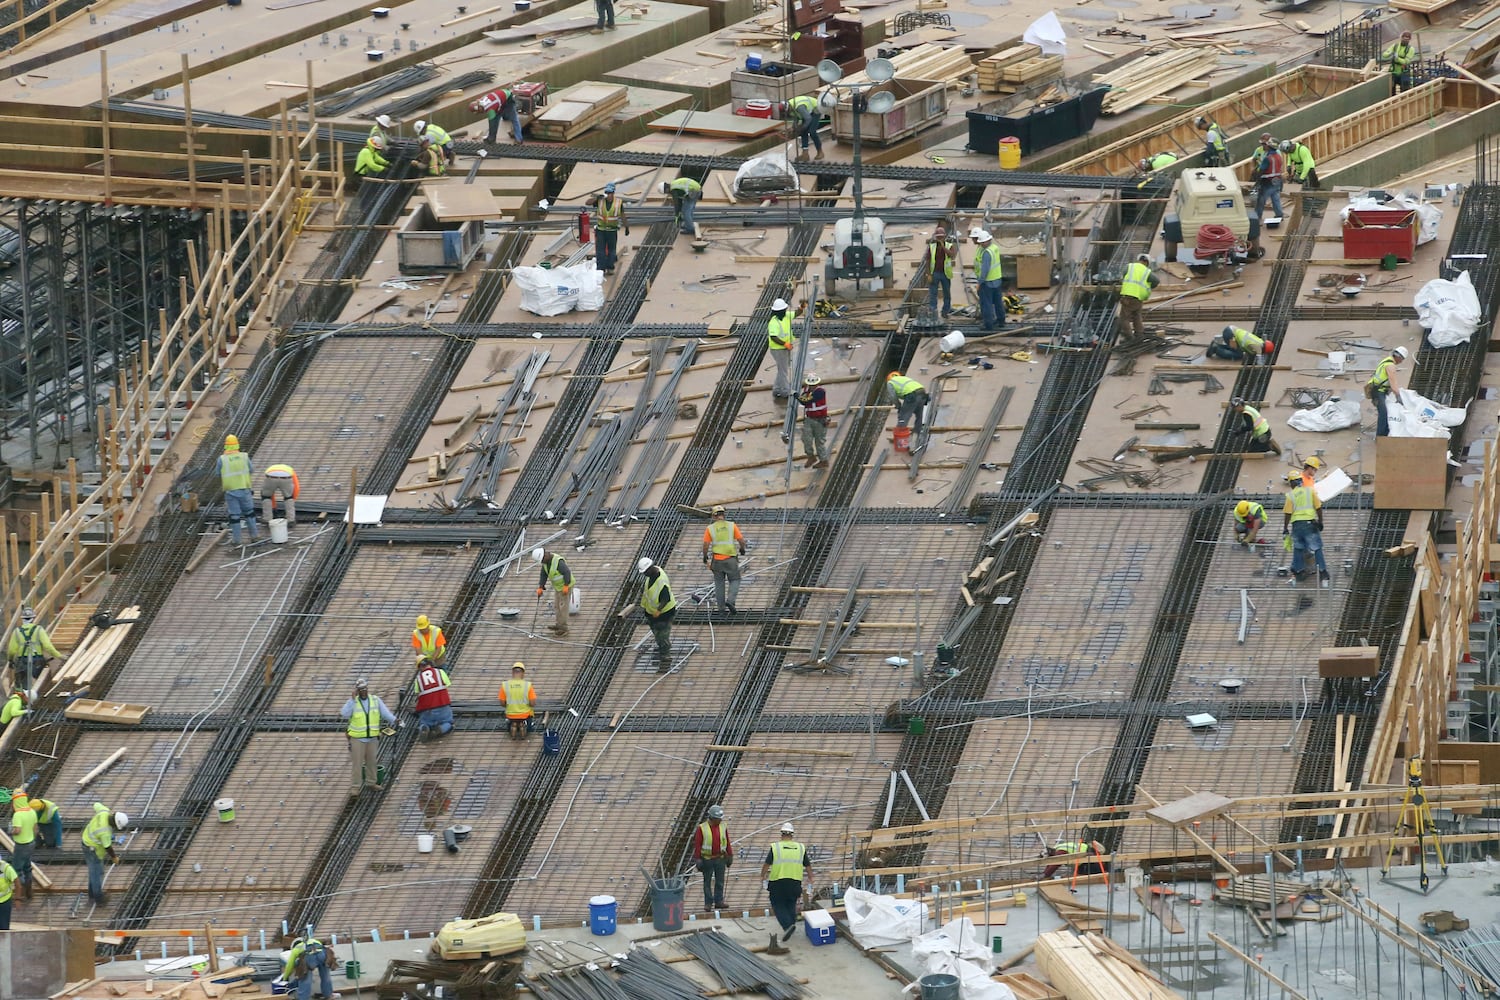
(753, 62)
(602, 915)
(551, 741)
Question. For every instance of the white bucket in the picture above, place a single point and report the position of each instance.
(1134, 878)
(278, 530)
(225, 808)
(424, 843)
(951, 342)
(1336, 362)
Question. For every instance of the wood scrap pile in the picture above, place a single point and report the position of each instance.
(233, 982)
(1092, 967)
(1285, 899)
(1079, 915)
(71, 625)
(578, 109)
(926, 62)
(94, 652)
(1008, 70)
(1151, 76)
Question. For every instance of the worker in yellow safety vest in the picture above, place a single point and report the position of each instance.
(685, 193)
(659, 605)
(990, 275)
(23, 835)
(1300, 165)
(519, 699)
(235, 474)
(1382, 385)
(1151, 164)
(1215, 142)
(723, 544)
(1236, 344)
(1095, 865)
(29, 650)
(1399, 55)
(428, 640)
(306, 958)
(942, 251)
(784, 873)
(1249, 518)
(99, 846)
(782, 335)
(1302, 528)
(371, 159)
(911, 399)
(557, 573)
(15, 707)
(364, 716)
(609, 218)
(1135, 289)
(429, 161)
(804, 118)
(8, 878)
(1255, 424)
(440, 138)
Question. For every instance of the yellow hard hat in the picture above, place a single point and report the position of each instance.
(518, 665)
(421, 621)
(1294, 477)
(1242, 509)
(422, 659)
(1313, 462)
(231, 442)
(717, 510)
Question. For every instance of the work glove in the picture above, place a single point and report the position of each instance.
(540, 591)
(729, 861)
(1286, 542)
(627, 230)
(567, 587)
(766, 885)
(111, 856)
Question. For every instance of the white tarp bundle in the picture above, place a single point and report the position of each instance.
(959, 938)
(1428, 217)
(1450, 309)
(974, 983)
(879, 921)
(561, 289)
(1414, 415)
(1333, 415)
(763, 175)
(1047, 31)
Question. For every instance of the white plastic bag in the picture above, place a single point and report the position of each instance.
(763, 175)
(1334, 415)
(1450, 309)
(974, 983)
(561, 289)
(1414, 415)
(1429, 217)
(959, 938)
(1047, 31)
(878, 921)
(575, 600)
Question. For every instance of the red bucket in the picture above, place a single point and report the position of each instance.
(756, 108)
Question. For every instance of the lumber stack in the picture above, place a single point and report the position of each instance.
(1010, 69)
(1092, 967)
(93, 653)
(927, 62)
(71, 625)
(1151, 76)
(578, 109)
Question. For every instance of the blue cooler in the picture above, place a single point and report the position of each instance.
(602, 911)
(819, 926)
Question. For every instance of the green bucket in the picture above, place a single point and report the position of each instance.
(379, 774)
(545, 265)
(351, 970)
(996, 943)
(916, 725)
(1388, 262)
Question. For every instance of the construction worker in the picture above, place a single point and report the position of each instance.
(1249, 518)
(988, 273)
(441, 139)
(804, 118)
(1381, 385)
(1236, 344)
(685, 193)
(497, 104)
(1266, 144)
(519, 699)
(23, 834)
(364, 715)
(428, 640)
(1093, 866)
(49, 824)
(1310, 469)
(606, 11)
(8, 879)
(1135, 289)
(235, 474)
(278, 493)
(714, 854)
(555, 571)
(306, 958)
(429, 159)
(99, 846)
(434, 704)
(1300, 166)
(1269, 171)
(1399, 55)
(1161, 161)
(911, 399)
(660, 606)
(1215, 142)
(382, 129)
(1254, 424)
(941, 254)
(15, 707)
(1302, 528)
(723, 544)
(29, 650)
(814, 402)
(609, 216)
(782, 873)
(782, 334)
(371, 159)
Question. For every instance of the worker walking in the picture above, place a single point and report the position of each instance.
(307, 958)
(723, 544)
(1249, 518)
(439, 138)
(1215, 142)
(941, 254)
(1161, 161)
(235, 474)
(8, 878)
(911, 400)
(988, 273)
(713, 853)
(15, 707)
(1269, 173)
(1381, 386)
(428, 640)
(49, 824)
(499, 104)
(685, 193)
(434, 704)
(1236, 344)
(782, 334)
(555, 571)
(1300, 166)
(278, 492)
(365, 714)
(1135, 289)
(519, 699)
(1303, 526)
(659, 605)
(99, 846)
(609, 216)
(804, 118)
(29, 650)
(1254, 424)
(783, 872)
(814, 402)
(1400, 55)
(371, 159)
(23, 835)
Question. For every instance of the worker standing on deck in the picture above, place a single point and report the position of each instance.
(1249, 518)
(1268, 181)
(1135, 289)
(723, 544)
(49, 824)
(555, 571)
(783, 873)
(782, 335)
(278, 492)
(382, 130)
(606, 11)
(498, 104)
(440, 138)
(814, 402)
(15, 707)
(1300, 166)
(434, 703)
(942, 251)
(429, 161)
(685, 193)
(911, 400)
(1257, 426)
(1400, 54)
(23, 835)
(804, 117)
(371, 159)
(1215, 142)
(306, 958)
(1161, 161)
(1381, 386)
(609, 217)
(364, 714)
(1236, 344)
(428, 640)
(29, 650)
(1303, 526)
(235, 474)
(99, 846)
(714, 854)
(988, 273)
(1266, 144)
(659, 605)
(519, 699)
(8, 878)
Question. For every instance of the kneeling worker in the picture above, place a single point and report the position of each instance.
(1235, 344)
(1249, 518)
(434, 703)
(1256, 425)
(519, 699)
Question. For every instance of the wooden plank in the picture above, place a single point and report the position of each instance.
(452, 200)
(717, 124)
(1160, 907)
(1185, 810)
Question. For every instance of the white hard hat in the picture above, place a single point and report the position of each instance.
(1400, 353)
(536, 555)
(28, 614)
(121, 821)
(983, 236)
(974, 233)
(779, 305)
(643, 564)
(787, 828)
(421, 124)
(384, 121)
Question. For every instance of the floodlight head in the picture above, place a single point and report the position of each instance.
(880, 70)
(829, 71)
(881, 101)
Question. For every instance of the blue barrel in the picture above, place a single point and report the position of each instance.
(602, 911)
(551, 741)
(939, 986)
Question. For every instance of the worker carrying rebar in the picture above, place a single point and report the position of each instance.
(723, 544)
(279, 490)
(1093, 865)
(15, 707)
(29, 650)
(49, 823)
(804, 118)
(1254, 423)
(1249, 518)
(440, 138)
(1399, 55)
(1300, 166)
(428, 640)
(942, 252)
(23, 835)
(685, 193)
(1302, 529)
(371, 159)
(434, 704)
(429, 160)
(784, 873)
(1237, 344)
(8, 878)
(1135, 289)
(990, 276)
(365, 716)
(609, 219)
(555, 573)
(714, 853)
(911, 400)
(659, 605)
(814, 402)
(519, 699)
(1310, 469)
(307, 957)
(1215, 142)
(236, 472)
(99, 846)
(1161, 161)
(1381, 386)
(498, 104)
(781, 334)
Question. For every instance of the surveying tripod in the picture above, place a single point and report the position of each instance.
(1415, 805)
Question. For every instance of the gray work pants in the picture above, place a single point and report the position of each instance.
(726, 580)
(815, 439)
(783, 359)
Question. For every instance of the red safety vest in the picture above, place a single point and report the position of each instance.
(432, 690)
(815, 404)
(714, 838)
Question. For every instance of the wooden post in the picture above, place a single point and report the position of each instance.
(5, 568)
(270, 665)
(353, 484)
(104, 125)
(72, 484)
(192, 141)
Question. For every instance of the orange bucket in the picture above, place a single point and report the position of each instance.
(901, 440)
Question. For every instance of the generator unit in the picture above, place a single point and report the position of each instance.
(486, 937)
(1210, 196)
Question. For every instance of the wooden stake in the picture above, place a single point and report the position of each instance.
(108, 763)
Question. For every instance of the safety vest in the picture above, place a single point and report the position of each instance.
(1400, 56)
(437, 166)
(377, 131)
(234, 470)
(24, 823)
(431, 687)
(609, 214)
(517, 693)
(1248, 342)
(1137, 283)
(652, 601)
(1381, 380)
(30, 644)
(1304, 506)
(97, 834)
(8, 879)
(803, 105)
(780, 331)
(722, 543)
(987, 264)
(787, 860)
(1071, 847)
(311, 949)
(948, 247)
(45, 809)
(1257, 513)
(903, 386)
(284, 471)
(439, 137)
(814, 403)
(494, 100)
(685, 186)
(370, 161)
(1259, 425)
(1301, 160)
(430, 644)
(1217, 137)
(14, 708)
(364, 723)
(557, 572)
(715, 840)
(1162, 160)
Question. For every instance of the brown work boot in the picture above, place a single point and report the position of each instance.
(819, 155)
(821, 463)
(801, 156)
(808, 461)
(558, 629)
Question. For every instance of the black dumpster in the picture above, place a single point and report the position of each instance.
(1038, 128)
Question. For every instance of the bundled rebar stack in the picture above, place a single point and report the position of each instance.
(646, 977)
(423, 99)
(738, 969)
(340, 101)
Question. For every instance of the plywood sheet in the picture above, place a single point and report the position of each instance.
(718, 124)
(1423, 480)
(454, 201)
